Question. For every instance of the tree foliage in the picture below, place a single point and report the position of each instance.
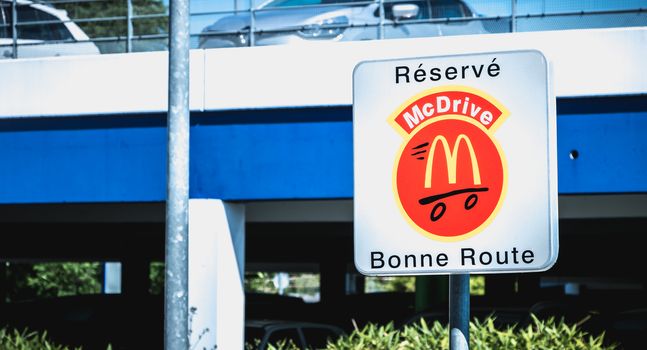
(477, 285)
(156, 278)
(391, 284)
(40, 280)
(259, 282)
(108, 8)
(66, 278)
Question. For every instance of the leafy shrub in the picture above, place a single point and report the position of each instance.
(15, 340)
(59, 279)
(548, 334)
(26, 281)
(156, 278)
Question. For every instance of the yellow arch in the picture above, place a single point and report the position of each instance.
(451, 157)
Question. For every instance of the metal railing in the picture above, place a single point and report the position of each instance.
(251, 33)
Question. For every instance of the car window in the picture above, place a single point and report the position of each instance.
(288, 334)
(287, 3)
(40, 31)
(252, 333)
(317, 337)
(449, 9)
(5, 20)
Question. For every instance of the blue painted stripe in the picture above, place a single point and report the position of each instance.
(610, 150)
(303, 153)
(272, 160)
(609, 137)
(82, 165)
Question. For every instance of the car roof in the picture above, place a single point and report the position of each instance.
(266, 323)
(45, 7)
(20, 2)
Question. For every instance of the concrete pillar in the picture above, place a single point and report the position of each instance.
(216, 274)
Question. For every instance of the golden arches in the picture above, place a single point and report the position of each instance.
(451, 157)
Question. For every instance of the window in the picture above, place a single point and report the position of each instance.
(40, 31)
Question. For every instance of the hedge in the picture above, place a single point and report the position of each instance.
(540, 334)
(26, 340)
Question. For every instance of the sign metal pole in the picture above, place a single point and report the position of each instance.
(176, 306)
(459, 311)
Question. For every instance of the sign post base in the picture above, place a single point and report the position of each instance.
(459, 311)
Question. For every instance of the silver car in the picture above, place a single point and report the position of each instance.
(42, 31)
(295, 21)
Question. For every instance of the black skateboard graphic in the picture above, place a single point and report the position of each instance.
(439, 209)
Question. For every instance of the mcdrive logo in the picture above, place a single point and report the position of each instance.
(450, 175)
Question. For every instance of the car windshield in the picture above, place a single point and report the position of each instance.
(288, 3)
(252, 333)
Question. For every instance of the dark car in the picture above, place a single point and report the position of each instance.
(305, 335)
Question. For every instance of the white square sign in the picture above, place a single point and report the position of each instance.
(455, 164)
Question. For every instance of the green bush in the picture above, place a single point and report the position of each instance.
(484, 335)
(15, 340)
(26, 281)
(60, 279)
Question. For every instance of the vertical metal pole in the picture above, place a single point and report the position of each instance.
(129, 19)
(14, 30)
(176, 320)
(381, 27)
(459, 311)
(252, 23)
(513, 17)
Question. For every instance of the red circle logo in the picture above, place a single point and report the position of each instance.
(450, 174)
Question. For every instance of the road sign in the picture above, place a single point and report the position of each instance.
(455, 164)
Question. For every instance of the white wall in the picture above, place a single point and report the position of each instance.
(216, 274)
